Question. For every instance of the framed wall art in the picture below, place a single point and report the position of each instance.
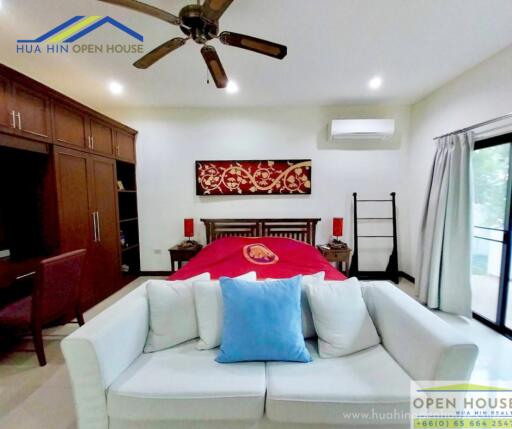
(256, 177)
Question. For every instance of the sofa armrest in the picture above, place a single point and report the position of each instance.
(422, 343)
(99, 351)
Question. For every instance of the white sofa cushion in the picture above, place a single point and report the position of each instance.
(172, 313)
(308, 326)
(330, 391)
(210, 311)
(341, 318)
(183, 383)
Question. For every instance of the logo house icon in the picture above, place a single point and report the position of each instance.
(71, 31)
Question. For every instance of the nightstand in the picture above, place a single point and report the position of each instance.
(341, 256)
(181, 254)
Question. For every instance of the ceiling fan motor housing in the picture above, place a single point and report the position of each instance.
(197, 27)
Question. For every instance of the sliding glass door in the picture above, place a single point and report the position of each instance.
(492, 250)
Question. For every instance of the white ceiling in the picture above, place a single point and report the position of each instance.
(334, 48)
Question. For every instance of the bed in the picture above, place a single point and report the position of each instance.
(274, 248)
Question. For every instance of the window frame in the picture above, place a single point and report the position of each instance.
(504, 287)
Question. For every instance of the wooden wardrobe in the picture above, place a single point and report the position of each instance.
(84, 150)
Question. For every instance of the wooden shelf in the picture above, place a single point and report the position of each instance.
(128, 219)
(133, 246)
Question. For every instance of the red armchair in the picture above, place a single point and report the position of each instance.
(55, 298)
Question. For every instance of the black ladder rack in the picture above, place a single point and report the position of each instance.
(391, 272)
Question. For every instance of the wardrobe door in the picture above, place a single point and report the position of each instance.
(74, 208)
(125, 146)
(106, 256)
(7, 113)
(102, 138)
(32, 113)
(69, 126)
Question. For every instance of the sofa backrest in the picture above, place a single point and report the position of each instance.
(424, 345)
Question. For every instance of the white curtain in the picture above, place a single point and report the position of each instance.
(444, 253)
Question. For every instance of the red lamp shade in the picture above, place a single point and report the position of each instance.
(337, 226)
(189, 227)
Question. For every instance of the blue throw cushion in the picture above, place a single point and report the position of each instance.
(262, 321)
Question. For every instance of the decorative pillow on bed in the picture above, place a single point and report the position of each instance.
(172, 313)
(341, 318)
(262, 321)
(308, 326)
(210, 311)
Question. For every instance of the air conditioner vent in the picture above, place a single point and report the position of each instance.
(362, 129)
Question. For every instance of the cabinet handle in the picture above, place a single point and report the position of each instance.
(89, 142)
(117, 150)
(19, 120)
(92, 143)
(98, 225)
(94, 226)
(13, 113)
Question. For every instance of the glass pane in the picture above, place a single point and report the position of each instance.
(508, 314)
(508, 318)
(485, 277)
(490, 168)
(492, 234)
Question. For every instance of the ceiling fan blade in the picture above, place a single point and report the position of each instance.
(159, 52)
(213, 9)
(215, 66)
(254, 44)
(147, 9)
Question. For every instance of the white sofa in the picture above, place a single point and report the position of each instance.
(116, 386)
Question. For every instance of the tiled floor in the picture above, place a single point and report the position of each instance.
(40, 398)
(32, 397)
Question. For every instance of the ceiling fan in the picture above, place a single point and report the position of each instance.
(201, 24)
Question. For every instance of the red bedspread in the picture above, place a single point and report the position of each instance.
(225, 257)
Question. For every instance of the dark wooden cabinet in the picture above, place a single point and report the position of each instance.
(7, 113)
(86, 186)
(75, 210)
(102, 138)
(69, 126)
(79, 199)
(36, 113)
(32, 112)
(106, 248)
(125, 146)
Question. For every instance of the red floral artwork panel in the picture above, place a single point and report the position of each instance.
(282, 177)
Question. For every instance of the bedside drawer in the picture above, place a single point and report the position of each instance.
(336, 255)
(340, 254)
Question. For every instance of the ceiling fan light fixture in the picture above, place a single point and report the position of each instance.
(199, 22)
(232, 87)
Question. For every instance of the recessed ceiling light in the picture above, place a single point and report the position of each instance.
(232, 87)
(375, 83)
(115, 87)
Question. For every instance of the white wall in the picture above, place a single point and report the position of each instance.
(479, 94)
(171, 140)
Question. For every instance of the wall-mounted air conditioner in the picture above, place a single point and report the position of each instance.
(370, 129)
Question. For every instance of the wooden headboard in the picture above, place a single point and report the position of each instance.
(298, 229)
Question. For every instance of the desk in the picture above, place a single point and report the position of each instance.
(16, 278)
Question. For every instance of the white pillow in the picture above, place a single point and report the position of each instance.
(172, 314)
(210, 311)
(341, 318)
(308, 327)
